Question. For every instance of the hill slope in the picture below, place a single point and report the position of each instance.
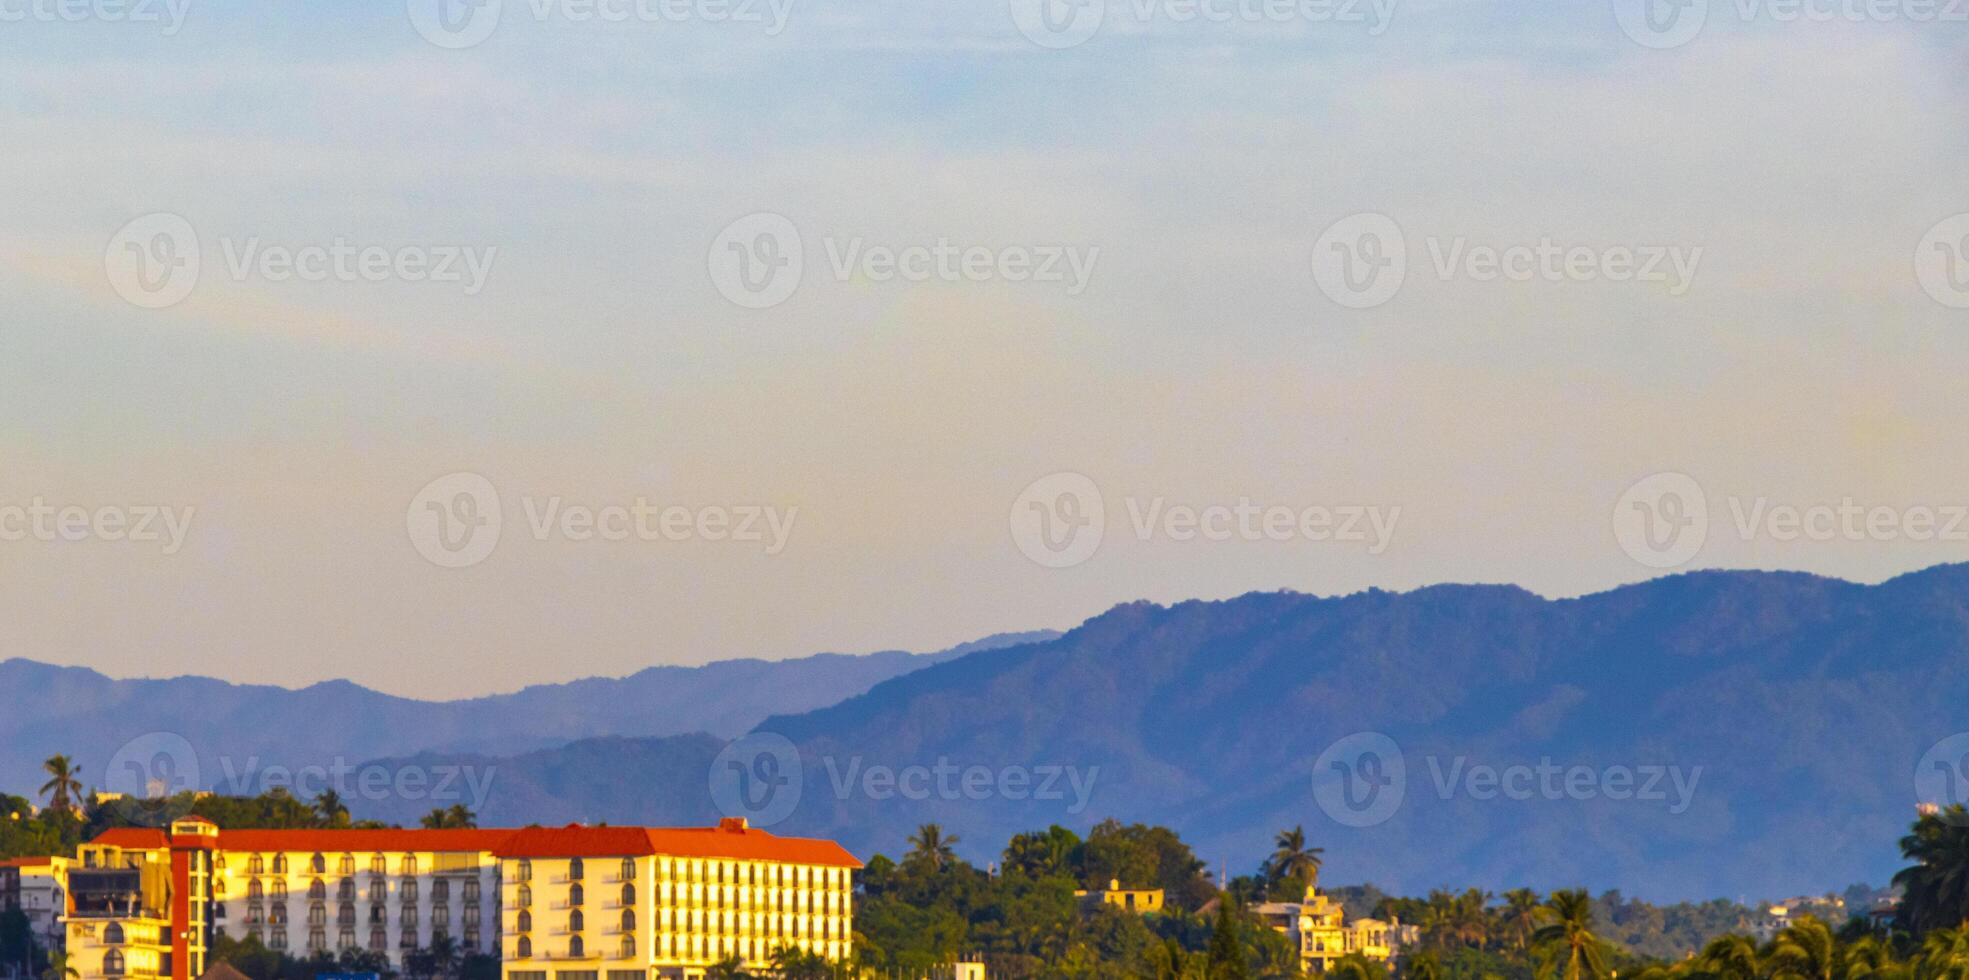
(1736, 733)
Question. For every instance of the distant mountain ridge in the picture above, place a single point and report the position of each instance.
(1775, 720)
(235, 729)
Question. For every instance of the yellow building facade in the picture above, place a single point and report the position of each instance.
(1318, 926)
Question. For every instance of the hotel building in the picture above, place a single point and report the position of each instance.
(569, 903)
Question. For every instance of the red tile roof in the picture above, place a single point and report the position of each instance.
(27, 862)
(133, 838)
(728, 841)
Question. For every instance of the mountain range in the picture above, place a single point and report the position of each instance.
(1730, 734)
(236, 731)
(1712, 734)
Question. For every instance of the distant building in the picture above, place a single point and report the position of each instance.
(1318, 926)
(1139, 900)
(37, 886)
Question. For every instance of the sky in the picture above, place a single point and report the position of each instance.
(453, 349)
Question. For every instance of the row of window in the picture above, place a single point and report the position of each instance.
(346, 890)
(318, 914)
(698, 871)
(726, 897)
(379, 939)
(318, 864)
(577, 948)
(826, 927)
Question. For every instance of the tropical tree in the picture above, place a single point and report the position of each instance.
(1567, 948)
(457, 817)
(930, 845)
(63, 789)
(729, 968)
(1935, 890)
(1354, 966)
(1227, 960)
(1423, 966)
(1803, 950)
(1520, 916)
(1292, 859)
(1730, 957)
(59, 967)
(333, 812)
(1945, 955)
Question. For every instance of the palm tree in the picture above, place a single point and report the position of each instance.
(1291, 858)
(1870, 958)
(1520, 916)
(59, 967)
(1423, 966)
(1568, 949)
(1945, 955)
(1355, 966)
(1803, 950)
(457, 817)
(1936, 889)
(64, 788)
(1730, 958)
(930, 844)
(331, 809)
(729, 968)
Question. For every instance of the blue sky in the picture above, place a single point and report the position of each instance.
(599, 163)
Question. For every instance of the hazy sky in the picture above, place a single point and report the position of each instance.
(1138, 288)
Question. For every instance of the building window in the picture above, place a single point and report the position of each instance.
(408, 865)
(526, 921)
(317, 890)
(628, 869)
(408, 918)
(628, 894)
(471, 938)
(280, 864)
(279, 940)
(472, 890)
(409, 891)
(524, 872)
(408, 940)
(629, 946)
(471, 915)
(346, 915)
(441, 890)
(526, 948)
(280, 888)
(317, 940)
(113, 963)
(346, 890)
(256, 866)
(628, 920)
(575, 896)
(440, 916)
(347, 866)
(575, 921)
(378, 866)
(318, 864)
(377, 891)
(379, 940)
(574, 948)
(317, 914)
(526, 895)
